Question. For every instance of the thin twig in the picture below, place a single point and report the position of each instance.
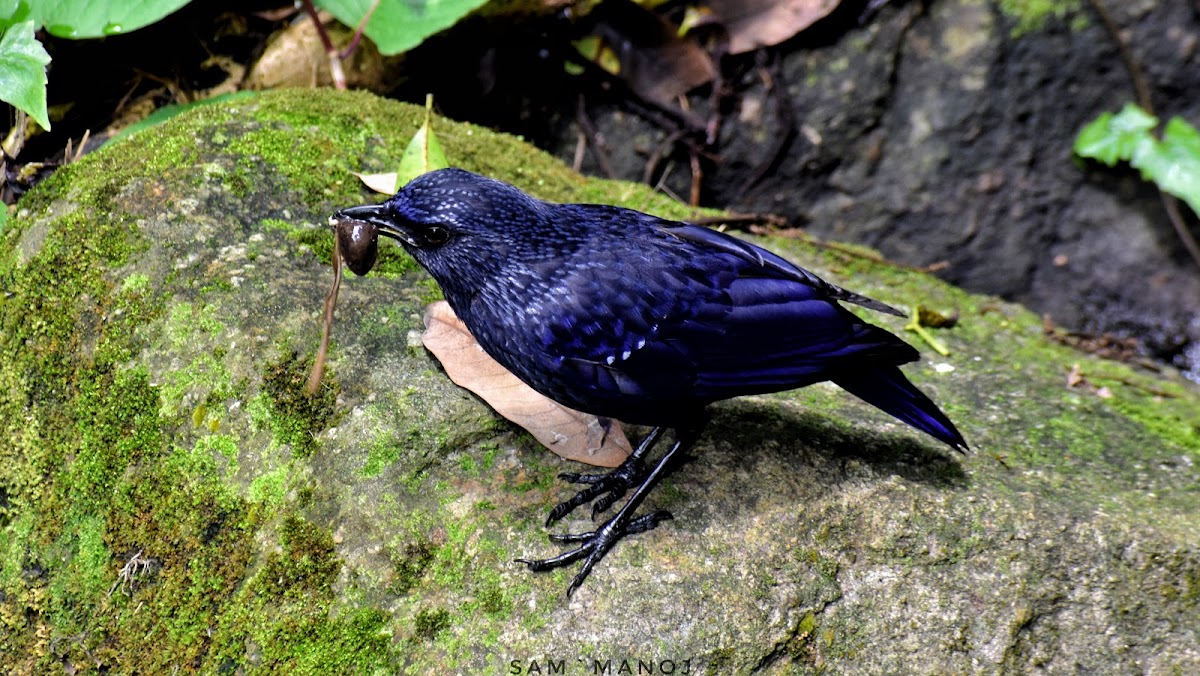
(697, 179)
(580, 149)
(720, 90)
(335, 61)
(786, 132)
(656, 157)
(1135, 72)
(589, 129)
(741, 221)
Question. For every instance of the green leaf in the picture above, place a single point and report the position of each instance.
(1182, 135)
(1174, 163)
(399, 25)
(1113, 138)
(424, 152)
(79, 19)
(23, 63)
(13, 12)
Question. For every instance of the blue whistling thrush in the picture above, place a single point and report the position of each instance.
(628, 316)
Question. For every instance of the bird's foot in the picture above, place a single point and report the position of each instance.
(605, 489)
(595, 544)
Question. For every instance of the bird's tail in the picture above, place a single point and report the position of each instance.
(886, 388)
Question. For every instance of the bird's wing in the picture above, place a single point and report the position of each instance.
(769, 263)
(611, 311)
(707, 316)
(767, 334)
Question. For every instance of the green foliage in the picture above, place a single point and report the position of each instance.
(97, 18)
(1172, 163)
(1032, 15)
(77, 19)
(23, 63)
(395, 26)
(297, 416)
(400, 25)
(424, 152)
(23, 60)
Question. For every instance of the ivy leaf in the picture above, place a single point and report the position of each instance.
(1114, 138)
(1174, 163)
(399, 25)
(23, 63)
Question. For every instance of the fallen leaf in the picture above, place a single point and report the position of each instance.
(761, 23)
(1075, 377)
(569, 433)
(384, 183)
(936, 320)
(296, 57)
(646, 52)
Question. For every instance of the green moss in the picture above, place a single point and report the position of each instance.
(353, 642)
(269, 489)
(118, 414)
(720, 661)
(387, 324)
(468, 465)
(1032, 15)
(383, 452)
(430, 622)
(409, 563)
(415, 453)
(308, 563)
(296, 417)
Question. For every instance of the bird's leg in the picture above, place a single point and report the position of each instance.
(595, 544)
(609, 487)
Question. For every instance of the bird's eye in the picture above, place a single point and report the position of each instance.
(436, 235)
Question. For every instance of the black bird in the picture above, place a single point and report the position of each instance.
(628, 316)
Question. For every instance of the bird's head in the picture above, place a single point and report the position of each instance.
(451, 218)
(465, 229)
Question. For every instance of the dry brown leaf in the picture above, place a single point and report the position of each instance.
(380, 183)
(762, 23)
(569, 433)
(654, 60)
(295, 57)
(1075, 377)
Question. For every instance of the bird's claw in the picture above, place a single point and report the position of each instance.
(605, 489)
(595, 544)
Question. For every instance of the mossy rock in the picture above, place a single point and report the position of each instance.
(171, 500)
